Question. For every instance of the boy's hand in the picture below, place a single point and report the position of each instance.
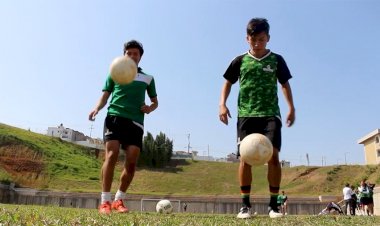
(224, 114)
(291, 117)
(146, 109)
(92, 115)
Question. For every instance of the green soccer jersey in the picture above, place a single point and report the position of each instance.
(258, 83)
(127, 99)
(281, 199)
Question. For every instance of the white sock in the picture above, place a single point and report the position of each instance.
(120, 195)
(105, 197)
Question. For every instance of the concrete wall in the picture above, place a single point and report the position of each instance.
(376, 201)
(205, 204)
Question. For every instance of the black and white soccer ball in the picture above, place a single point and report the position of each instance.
(164, 206)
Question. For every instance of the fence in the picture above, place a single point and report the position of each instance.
(196, 204)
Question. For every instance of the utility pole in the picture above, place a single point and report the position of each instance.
(188, 143)
(345, 157)
(91, 128)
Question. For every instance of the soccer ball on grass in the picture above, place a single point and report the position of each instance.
(164, 206)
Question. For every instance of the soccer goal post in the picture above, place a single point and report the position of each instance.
(149, 205)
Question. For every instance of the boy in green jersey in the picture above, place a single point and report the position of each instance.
(124, 127)
(282, 202)
(258, 71)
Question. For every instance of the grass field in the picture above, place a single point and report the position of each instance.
(39, 215)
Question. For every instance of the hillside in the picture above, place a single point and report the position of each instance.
(42, 162)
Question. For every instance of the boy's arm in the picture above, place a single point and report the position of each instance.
(101, 103)
(291, 117)
(148, 109)
(224, 113)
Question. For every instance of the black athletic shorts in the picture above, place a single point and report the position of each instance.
(124, 130)
(268, 126)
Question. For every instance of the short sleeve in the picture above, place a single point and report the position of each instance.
(233, 71)
(282, 73)
(151, 89)
(109, 84)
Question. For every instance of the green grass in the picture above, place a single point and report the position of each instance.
(69, 167)
(41, 215)
(63, 162)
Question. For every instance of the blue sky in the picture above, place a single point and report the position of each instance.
(55, 56)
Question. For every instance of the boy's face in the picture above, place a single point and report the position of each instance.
(134, 53)
(258, 42)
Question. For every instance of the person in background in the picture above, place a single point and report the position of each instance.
(354, 200)
(347, 197)
(282, 201)
(364, 197)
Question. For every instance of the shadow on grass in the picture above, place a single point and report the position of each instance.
(175, 166)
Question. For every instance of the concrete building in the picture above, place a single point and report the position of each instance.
(66, 134)
(371, 144)
(285, 164)
(182, 155)
(74, 136)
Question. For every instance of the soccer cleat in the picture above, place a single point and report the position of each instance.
(118, 205)
(105, 208)
(274, 213)
(245, 213)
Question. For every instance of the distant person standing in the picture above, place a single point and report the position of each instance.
(347, 197)
(365, 201)
(370, 202)
(354, 199)
(258, 71)
(124, 128)
(282, 201)
(184, 207)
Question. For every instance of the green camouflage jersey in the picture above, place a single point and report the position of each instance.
(127, 99)
(258, 83)
(281, 199)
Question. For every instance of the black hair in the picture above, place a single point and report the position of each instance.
(134, 44)
(257, 25)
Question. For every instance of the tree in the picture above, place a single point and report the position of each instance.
(156, 152)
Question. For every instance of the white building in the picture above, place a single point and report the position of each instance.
(66, 133)
(74, 136)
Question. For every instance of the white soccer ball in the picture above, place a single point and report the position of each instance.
(255, 149)
(164, 206)
(123, 70)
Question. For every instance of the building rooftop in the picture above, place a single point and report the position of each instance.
(368, 136)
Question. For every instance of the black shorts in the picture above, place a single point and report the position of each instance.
(268, 126)
(366, 200)
(124, 130)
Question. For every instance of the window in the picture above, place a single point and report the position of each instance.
(377, 140)
(378, 152)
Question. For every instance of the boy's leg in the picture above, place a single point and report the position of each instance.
(274, 180)
(274, 175)
(245, 179)
(273, 132)
(112, 153)
(107, 172)
(132, 153)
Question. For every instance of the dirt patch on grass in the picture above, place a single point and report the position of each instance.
(20, 160)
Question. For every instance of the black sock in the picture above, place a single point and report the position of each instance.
(245, 195)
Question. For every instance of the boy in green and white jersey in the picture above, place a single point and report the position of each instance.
(124, 127)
